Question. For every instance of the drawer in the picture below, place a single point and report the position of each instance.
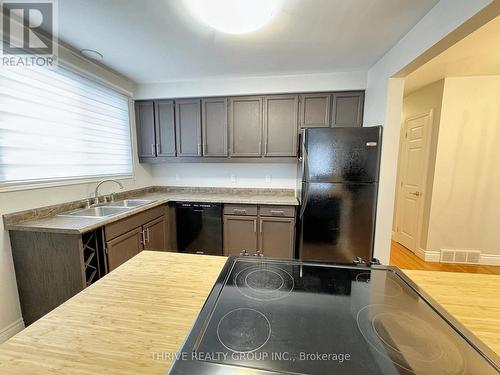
(280, 211)
(120, 227)
(240, 209)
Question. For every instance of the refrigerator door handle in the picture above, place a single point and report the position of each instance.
(305, 163)
(305, 198)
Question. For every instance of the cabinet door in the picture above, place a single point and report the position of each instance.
(165, 128)
(155, 235)
(240, 233)
(315, 110)
(124, 247)
(245, 126)
(281, 125)
(188, 126)
(277, 237)
(145, 125)
(347, 108)
(214, 126)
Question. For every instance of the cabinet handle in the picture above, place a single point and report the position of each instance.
(141, 237)
(255, 226)
(260, 226)
(158, 148)
(147, 235)
(277, 213)
(153, 149)
(199, 149)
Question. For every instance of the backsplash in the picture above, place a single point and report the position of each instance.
(239, 175)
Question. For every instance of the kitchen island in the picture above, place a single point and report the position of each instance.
(136, 318)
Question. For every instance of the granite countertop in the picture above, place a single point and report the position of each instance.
(46, 219)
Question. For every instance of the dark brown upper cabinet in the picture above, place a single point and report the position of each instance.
(245, 126)
(165, 128)
(281, 125)
(188, 127)
(347, 108)
(315, 110)
(145, 126)
(214, 127)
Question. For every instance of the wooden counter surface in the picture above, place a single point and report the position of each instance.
(148, 306)
(113, 327)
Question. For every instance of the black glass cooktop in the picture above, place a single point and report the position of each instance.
(302, 318)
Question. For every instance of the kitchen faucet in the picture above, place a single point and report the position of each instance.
(96, 193)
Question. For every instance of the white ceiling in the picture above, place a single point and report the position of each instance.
(158, 41)
(477, 54)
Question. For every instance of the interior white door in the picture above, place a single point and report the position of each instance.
(413, 174)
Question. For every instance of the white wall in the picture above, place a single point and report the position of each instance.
(418, 102)
(465, 209)
(218, 86)
(10, 313)
(384, 99)
(244, 175)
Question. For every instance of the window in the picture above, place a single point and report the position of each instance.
(57, 125)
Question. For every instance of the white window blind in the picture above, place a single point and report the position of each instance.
(58, 125)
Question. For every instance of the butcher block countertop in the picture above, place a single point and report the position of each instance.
(135, 318)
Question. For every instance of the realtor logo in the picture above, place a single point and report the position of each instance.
(28, 30)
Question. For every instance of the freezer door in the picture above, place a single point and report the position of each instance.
(337, 221)
(343, 154)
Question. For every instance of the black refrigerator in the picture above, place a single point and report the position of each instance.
(338, 186)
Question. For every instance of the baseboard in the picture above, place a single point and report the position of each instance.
(428, 256)
(489, 259)
(11, 330)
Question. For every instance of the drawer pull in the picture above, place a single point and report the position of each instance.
(277, 213)
(239, 211)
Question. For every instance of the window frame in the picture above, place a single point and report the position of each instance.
(59, 182)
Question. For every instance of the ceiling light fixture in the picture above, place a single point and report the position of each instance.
(91, 54)
(235, 16)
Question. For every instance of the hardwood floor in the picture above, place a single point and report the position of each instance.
(403, 258)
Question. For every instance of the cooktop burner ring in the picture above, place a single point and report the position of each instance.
(275, 283)
(244, 330)
(264, 290)
(390, 289)
(403, 338)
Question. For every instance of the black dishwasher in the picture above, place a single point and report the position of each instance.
(199, 228)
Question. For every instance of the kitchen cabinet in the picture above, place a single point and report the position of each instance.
(155, 235)
(124, 247)
(214, 127)
(245, 126)
(240, 233)
(188, 127)
(347, 108)
(144, 231)
(155, 125)
(315, 110)
(277, 237)
(165, 128)
(267, 229)
(281, 125)
(145, 124)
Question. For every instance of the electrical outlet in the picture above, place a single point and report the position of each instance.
(233, 178)
(268, 178)
(177, 177)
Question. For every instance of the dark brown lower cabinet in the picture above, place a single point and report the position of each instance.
(155, 235)
(273, 236)
(240, 233)
(277, 237)
(123, 247)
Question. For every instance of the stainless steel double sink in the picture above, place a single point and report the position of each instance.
(107, 209)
